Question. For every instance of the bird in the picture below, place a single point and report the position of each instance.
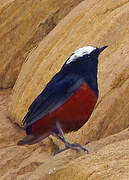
(67, 101)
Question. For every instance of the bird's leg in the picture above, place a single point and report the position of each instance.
(60, 138)
(63, 139)
(57, 136)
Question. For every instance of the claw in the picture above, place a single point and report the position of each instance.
(62, 150)
(80, 146)
(73, 147)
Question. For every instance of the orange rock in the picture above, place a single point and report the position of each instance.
(110, 163)
(23, 24)
(107, 159)
(91, 22)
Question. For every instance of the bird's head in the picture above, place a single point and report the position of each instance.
(83, 62)
(85, 54)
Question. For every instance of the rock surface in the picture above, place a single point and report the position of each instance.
(108, 158)
(96, 23)
(23, 24)
(109, 163)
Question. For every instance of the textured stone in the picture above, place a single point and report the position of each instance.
(98, 23)
(110, 163)
(23, 24)
(108, 158)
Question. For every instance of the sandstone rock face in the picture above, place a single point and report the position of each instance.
(23, 24)
(95, 23)
(108, 158)
(100, 165)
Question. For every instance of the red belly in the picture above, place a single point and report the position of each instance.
(72, 115)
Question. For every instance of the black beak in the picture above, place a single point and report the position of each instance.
(102, 48)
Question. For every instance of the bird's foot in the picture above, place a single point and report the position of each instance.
(62, 137)
(73, 146)
(76, 145)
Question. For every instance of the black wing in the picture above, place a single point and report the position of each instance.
(56, 93)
